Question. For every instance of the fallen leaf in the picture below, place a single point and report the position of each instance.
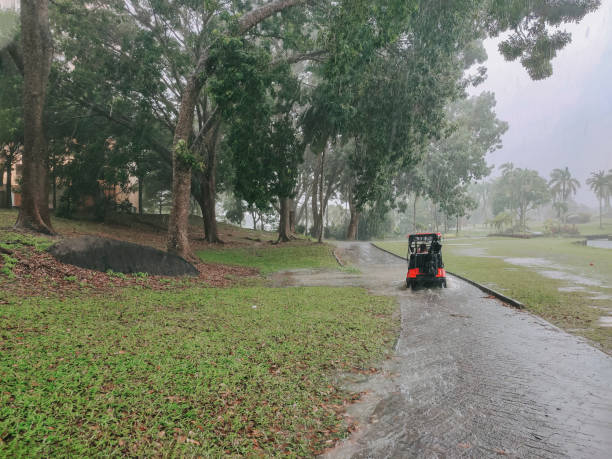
(465, 445)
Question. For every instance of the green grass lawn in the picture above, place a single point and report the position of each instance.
(198, 372)
(272, 258)
(575, 311)
(189, 371)
(589, 228)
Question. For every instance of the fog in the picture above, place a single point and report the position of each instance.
(565, 120)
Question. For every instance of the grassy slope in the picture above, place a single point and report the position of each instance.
(148, 230)
(573, 311)
(189, 371)
(274, 258)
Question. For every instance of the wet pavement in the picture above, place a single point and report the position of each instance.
(470, 377)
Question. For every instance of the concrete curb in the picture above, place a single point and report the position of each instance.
(490, 291)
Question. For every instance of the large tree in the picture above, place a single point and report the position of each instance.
(11, 117)
(519, 191)
(601, 184)
(237, 26)
(37, 52)
(562, 186)
(459, 158)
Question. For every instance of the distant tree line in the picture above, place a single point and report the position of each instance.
(517, 192)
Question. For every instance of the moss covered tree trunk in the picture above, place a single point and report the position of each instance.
(178, 227)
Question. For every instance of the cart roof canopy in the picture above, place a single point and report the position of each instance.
(424, 237)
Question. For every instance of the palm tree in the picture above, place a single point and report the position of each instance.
(562, 185)
(609, 193)
(600, 184)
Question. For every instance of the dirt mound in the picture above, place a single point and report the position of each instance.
(103, 254)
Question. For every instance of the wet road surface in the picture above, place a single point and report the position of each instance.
(471, 377)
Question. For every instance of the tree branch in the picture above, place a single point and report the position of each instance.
(14, 51)
(300, 57)
(207, 125)
(252, 18)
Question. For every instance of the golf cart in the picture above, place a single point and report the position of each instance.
(425, 264)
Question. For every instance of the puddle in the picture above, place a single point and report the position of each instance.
(605, 322)
(528, 262)
(600, 243)
(475, 252)
(560, 275)
(555, 273)
(600, 296)
(571, 289)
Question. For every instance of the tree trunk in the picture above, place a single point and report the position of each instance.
(414, 227)
(292, 215)
(351, 234)
(9, 180)
(37, 53)
(208, 187)
(303, 209)
(140, 184)
(284, 225)
(207, 203)
(54, 189)
(321, 198)
(178, 238)
(178, 226)
(435, 217)
(315, 206)
(600, 220)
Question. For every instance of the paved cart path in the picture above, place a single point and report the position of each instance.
(471, 377)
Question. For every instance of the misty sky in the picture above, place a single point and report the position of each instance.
(565, 120)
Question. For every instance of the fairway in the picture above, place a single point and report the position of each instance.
(564, 282)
